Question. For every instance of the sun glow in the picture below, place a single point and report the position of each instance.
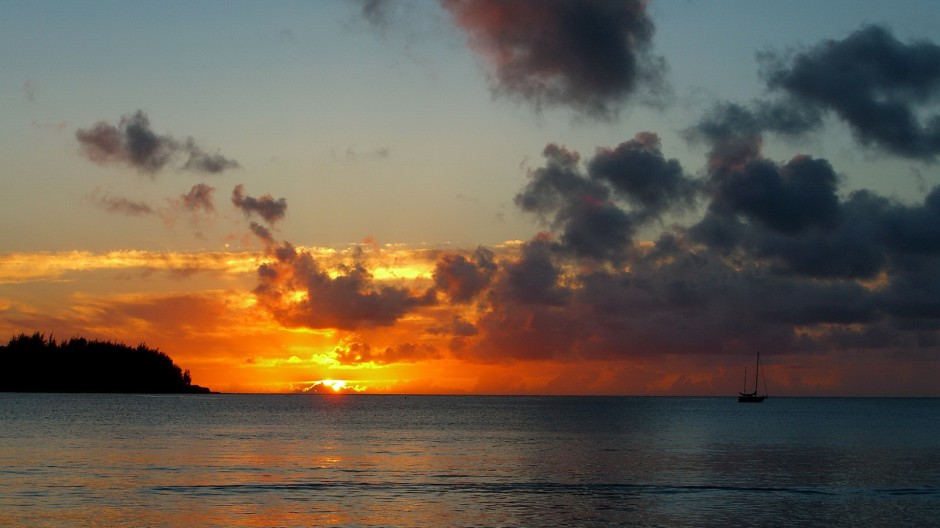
(336, 385)
(333, 385)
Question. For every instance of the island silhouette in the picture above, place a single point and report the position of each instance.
(32, 363)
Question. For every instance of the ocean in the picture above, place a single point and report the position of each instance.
(368, 460)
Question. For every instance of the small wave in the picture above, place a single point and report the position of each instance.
(460, 484)
(927, 491)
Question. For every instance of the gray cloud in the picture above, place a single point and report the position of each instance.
(779, 261)
(587, 55)
(200, 161)
(132, 142)
(877, 84)
(198, 198)
(461, 278)
(638, 172)
(788, 198)
(266, 206)
(598, 212)
(120, 204)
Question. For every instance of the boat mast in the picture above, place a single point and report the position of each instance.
(765, 384)
(757, 372)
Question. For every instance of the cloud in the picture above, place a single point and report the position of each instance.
(591, 225)
(874, 235)
(198, 198)
(263, 233)
(353, 155)
(880, 86)
(787, 198)
(534, 278)
(200, 161)
(266, 206)
(672, 300)
(790, 216)
(638, 172)
(590, 56)
(299, 292)
(461, 278)
(375, 12)
(122, 205)
(732, 133)
(780, 261)
(597, 213)
(133, 143)
(195, 206)
(457, 326)
(357, 353)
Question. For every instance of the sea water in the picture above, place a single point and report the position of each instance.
(357, 460)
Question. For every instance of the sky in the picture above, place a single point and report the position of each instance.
(471, 196)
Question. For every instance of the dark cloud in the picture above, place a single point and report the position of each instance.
(263, 233)
(674, 300)
(534, 278)
(779, 262)
(587, 55)
(728, 124)
(913, 230)
(461, 278)
(132, 142)
(880, 86)
(266, 206)
(638, 172)
(597, 213)
(788, 198)
(790, 216)
(732, 133)
(300, 293)
(849, 250)
(569, 202)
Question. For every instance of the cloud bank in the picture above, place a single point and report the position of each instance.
(780, 260)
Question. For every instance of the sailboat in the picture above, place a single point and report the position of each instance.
(753, 397)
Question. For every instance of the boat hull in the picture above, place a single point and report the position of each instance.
(750, 398)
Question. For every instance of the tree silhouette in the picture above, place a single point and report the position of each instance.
(32, 363)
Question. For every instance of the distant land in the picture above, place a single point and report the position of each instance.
(32, 363)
